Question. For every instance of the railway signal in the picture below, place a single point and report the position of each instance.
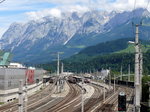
(122, 102)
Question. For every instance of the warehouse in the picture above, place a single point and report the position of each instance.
(9, 81)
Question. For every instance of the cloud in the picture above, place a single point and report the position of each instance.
(36, 9)
(74, 8)
(56, 12)
(47, 12)
(108, 5)
(66, 2)
(126, 5)
(95, 4)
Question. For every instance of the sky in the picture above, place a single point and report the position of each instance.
(25, 10)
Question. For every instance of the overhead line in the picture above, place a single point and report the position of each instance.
(145, 9)
(134, 4)
(2, 1)
(147, 4)
(133, 14)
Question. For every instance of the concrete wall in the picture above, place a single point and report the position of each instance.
(9, 77)
(9, 82)
(12, 94)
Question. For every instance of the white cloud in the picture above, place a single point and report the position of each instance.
(66, 2)
(96, 4)
(56, 12)
(40, 8)
(108, 5)
(47, 12)
(126, 5)
(74, 8)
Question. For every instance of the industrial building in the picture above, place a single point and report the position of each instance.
(11, 74)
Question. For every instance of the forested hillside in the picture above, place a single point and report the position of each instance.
(102, 56)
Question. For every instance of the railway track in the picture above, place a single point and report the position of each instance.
(72, 101)
(66, 105)
(95, 98)
(110, 105)
(13, 106)
(42, 99)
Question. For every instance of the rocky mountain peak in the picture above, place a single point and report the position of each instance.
(48, 32)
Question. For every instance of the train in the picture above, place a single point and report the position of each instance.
(86, 80)
(127, 83)
(122, 102)
(120, 82)
(49, 79)
(52, 80)
(74, 79)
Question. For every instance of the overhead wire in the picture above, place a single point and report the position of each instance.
(147, 4)
(133, 11)
(133, 15)
(2, 1)
(141, 20)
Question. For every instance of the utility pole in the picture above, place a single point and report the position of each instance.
(104, 93)
(137, 82)
(62, 68)
(82, 102)
(121, 73)
(141, 69)
(109, 79)
(26, 96)
(62, 71)
(129, 73)
(57, 72)
(114, 84)
(20, 105)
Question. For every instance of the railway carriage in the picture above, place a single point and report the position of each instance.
(72, 79)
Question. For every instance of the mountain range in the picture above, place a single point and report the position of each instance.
(37, 41)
